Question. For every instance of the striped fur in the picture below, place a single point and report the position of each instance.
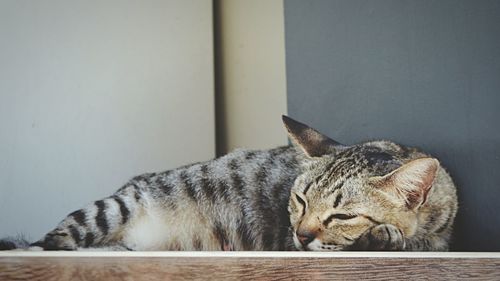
(236, 202)
(318, 197)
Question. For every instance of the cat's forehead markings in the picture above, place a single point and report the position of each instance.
(338, 199)
(349, 164)
(328, 192)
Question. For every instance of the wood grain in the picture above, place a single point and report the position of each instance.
(247, 268)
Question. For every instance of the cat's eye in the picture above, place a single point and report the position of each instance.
(339, 217)
(300, 200)
(343, 216)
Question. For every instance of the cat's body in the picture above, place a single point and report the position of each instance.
(236, 202)
(329, 197)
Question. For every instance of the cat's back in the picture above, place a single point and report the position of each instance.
(241, 169)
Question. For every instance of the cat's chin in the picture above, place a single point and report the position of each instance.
(317, 246)
(323, 249)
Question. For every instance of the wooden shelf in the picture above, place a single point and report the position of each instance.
(22, 265)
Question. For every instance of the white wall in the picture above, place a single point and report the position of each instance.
(252, 88)
(93, 92)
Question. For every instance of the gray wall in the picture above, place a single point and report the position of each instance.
(423, 73)
(94, 92)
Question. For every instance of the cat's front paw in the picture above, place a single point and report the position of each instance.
(386, 237)
(383, 237)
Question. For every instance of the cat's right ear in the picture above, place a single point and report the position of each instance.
(312, 142)
(411, 182)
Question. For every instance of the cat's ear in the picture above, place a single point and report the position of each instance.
(312, 142)
(410, 182)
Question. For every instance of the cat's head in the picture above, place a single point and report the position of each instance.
(344, 191)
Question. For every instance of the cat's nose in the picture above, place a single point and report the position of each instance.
(305, 237)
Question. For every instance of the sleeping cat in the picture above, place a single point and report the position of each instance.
(317, 195)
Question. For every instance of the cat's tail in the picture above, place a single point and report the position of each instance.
(11, 243)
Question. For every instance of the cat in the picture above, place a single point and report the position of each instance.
(315, 195)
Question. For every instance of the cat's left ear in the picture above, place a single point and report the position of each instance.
(312, 142)
(410, 182)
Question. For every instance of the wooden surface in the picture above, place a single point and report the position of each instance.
(304, 266)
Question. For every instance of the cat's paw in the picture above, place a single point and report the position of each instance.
(383, 237)
(386, 237)
(56, 240)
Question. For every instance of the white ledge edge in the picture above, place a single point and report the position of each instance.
(187, 254)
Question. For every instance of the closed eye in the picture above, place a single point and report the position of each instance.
(343, 216)
(338, 217)
(300, 200)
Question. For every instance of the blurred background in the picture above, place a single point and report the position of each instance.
(95, 92)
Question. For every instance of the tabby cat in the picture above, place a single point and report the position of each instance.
(317, 195)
